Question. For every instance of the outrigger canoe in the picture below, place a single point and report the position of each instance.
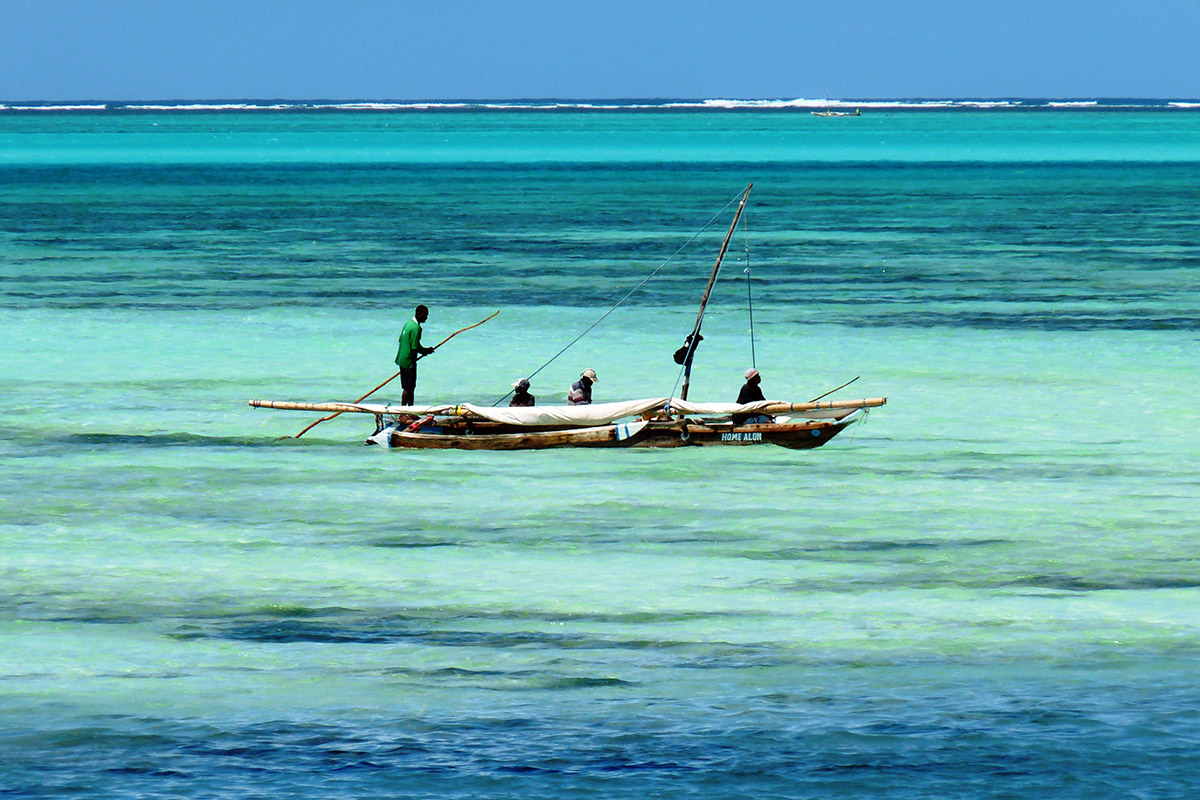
(652, 422)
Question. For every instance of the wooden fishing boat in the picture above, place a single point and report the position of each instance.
(652, 422)
(649, 422)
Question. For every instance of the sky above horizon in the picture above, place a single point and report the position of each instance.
(71, 50)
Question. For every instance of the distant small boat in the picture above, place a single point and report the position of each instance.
(854, 113)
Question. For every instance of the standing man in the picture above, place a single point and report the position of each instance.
(581, 390)
(410, 350)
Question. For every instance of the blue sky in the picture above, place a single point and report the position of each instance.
(395, 49)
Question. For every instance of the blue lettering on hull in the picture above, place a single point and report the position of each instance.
(741, 437)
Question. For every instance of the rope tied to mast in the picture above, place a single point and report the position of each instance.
(749, 299)
(694, 339)
(629, 294)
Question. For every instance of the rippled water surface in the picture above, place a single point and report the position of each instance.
(989, 589)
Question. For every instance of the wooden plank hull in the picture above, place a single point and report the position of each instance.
(796, 436)
(531, 440)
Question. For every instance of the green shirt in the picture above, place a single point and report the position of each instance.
(410, 344)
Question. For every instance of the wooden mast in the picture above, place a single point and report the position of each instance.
(694, 339)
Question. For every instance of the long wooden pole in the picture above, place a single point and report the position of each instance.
(347, 408)
(784, 408)
(389, 380)
(838, 389)
(712, 279)
(456, 411)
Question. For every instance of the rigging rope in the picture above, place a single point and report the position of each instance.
(749, 299)
(629, 294)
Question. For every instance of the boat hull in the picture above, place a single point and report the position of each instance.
(795, 436)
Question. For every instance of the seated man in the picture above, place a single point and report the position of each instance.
(581, 390)
(751, 393)
(522, 397)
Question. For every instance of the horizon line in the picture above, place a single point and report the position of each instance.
(613, 99)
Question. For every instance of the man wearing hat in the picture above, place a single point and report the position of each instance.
(522, 397)
(751, 393)
(581, 390)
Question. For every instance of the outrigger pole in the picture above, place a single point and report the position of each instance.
(694, 339)
(462, 411)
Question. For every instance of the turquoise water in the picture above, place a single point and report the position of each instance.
(989, 589)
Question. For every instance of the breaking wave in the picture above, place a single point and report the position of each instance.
(797, 104)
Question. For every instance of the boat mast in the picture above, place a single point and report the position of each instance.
(694, 339)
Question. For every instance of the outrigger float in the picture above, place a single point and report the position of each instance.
(650, 422)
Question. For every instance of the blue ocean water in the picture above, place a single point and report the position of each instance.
(989, 589)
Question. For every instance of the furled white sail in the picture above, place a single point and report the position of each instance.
(594, 414)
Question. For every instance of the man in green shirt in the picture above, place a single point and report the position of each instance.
(410, 350)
